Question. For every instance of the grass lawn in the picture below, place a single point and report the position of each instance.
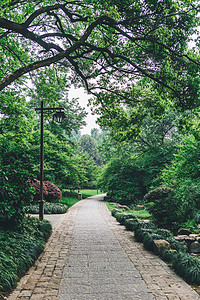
(140, 214)
(73, 198)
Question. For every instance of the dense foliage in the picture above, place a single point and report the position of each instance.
(65, 165)
(124, 181)
(14, 195)
(182, 175)
(18, 251)
(105, 41)
(134, 166)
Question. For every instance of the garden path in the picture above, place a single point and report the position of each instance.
(90, 256)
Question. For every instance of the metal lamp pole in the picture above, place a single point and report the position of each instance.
(41, 201)
(58, 116)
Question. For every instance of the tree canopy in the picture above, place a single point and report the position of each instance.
(105, 46)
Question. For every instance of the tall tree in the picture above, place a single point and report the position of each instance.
(53, 90)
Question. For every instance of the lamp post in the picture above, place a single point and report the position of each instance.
(58, 117)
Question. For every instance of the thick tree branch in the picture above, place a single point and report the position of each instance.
(40, 11)
(130, 62)
(46, 62)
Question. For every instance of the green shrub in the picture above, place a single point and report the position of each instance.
(164, 233)
(156, 195)
(144, 225)
(115, 210)
(124, 217)
(141, 232)
(44, 230)
(14, 194)
(49, 208)
(19, 250)
(148, 240)
(168, 255)
(164, 208)
(176, 245)
(130, 224)
(118, 216)
(188, 267)
(123, 181)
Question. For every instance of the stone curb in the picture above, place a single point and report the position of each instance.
(159, 278)
(42, 281)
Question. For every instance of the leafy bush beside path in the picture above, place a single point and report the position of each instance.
(19, 250)
(184, 264)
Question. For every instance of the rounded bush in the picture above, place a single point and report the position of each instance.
(157, 194)
(141, 232)
(53, 192)
(114, 211)
(168, 255)
(131, 224)
(50, 191)
(176, 245)
(165, 233)
(144, 225)
(164, 207)
(118, 216)
(124, 217)
(148, 240)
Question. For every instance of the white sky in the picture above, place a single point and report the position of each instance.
(83, 100)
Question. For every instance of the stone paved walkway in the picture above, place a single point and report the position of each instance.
(91, 257)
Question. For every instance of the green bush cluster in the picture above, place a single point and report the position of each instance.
(163, 207)
(179, 207)
(185, 265)
(123, 181)
(19, 250)
(13, 195)
(49, 208)
(172, 209)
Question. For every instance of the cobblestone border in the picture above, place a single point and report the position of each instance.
(42, 281)
(159, 278)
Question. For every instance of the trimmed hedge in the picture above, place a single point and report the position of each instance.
(184, 264)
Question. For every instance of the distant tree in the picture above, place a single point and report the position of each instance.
(88, 144)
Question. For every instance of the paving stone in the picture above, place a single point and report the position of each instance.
(97, 254)
(26, 293)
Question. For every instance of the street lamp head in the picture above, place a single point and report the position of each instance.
(59, 116)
